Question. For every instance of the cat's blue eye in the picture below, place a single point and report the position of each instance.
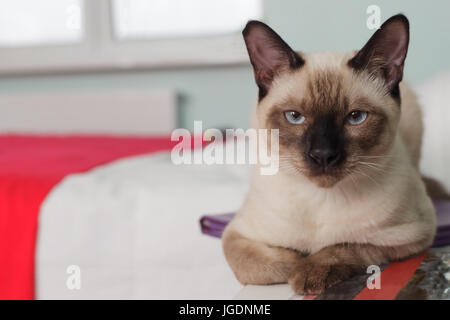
(294, 117)
(357, 117)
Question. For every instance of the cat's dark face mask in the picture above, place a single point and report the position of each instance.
(323, 145)
(335, 112)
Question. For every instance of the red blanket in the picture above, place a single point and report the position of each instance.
(30, 166)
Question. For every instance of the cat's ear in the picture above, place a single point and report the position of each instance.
(269, 54)
(384, 54)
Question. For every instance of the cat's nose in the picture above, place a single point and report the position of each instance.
(324, 156)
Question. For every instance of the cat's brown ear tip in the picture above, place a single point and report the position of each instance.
(398, 18)
(252, 24)
(248, 27)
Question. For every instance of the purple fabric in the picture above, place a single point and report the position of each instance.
(443, 222)
(443, 213)
(213, 225)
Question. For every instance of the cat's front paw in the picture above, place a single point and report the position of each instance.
(310, 277)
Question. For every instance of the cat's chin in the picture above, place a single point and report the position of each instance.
(325, 180)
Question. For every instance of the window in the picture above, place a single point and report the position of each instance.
(179, 18)
(52, 35)
(43, 22)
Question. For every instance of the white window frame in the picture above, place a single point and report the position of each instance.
(100, 51)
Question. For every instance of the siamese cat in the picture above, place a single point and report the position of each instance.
(348, 193)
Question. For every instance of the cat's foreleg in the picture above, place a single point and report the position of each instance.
(254, 262)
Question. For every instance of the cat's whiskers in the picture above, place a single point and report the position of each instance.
(372, 179)
(288, 167)
(374, 157)
(383, 169)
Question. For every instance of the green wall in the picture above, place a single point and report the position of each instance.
(223, 96)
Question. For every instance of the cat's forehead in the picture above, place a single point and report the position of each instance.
(324, 92)
(321, 82)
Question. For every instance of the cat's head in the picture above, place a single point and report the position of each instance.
(334, 111)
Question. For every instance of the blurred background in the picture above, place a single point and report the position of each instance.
(90, 91)
(191, 47)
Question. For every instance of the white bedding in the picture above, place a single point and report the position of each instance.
(132, 226)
